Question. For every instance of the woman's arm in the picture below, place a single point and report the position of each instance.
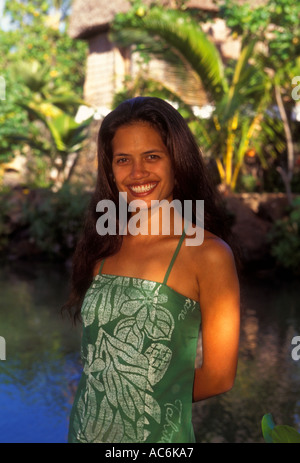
(220, 313)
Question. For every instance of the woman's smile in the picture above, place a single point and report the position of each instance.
(142, 189)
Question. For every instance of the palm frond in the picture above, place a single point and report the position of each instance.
(190, 43)
(246, 89)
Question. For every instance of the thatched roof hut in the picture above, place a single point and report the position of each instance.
(90, 17)
(107, 64)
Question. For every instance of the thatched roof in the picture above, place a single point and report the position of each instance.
(89, 17)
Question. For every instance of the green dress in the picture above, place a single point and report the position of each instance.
(138, 350)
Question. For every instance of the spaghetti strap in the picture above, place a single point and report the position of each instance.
(101, 267)
(174, 257)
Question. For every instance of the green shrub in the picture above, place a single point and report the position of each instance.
(4, 223)
(55, 220)
(284, 238)
(248, 183)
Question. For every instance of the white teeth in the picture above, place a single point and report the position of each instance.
(142, 188)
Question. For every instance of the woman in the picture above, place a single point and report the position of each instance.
(142, 296)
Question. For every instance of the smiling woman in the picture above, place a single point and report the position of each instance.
(142, 297)
(142, 172)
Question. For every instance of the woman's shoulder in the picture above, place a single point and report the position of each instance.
(211, 253)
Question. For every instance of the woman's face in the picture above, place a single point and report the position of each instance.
(141, 163)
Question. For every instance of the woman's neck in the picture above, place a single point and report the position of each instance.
(161, 218)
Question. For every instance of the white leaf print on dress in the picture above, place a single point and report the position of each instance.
(128, 331)
(125, 375)
(159, 357)
(151, 316)
(106, 302)
(121, 367)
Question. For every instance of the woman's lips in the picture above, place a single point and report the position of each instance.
(143, 189)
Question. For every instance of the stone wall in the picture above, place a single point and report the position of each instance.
(252, 215)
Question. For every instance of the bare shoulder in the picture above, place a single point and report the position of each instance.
(214, 249)
(213, 256)
(216, 275)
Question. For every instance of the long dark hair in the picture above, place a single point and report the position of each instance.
(192, 182)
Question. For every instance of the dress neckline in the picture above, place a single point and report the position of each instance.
(96, 277)
(164, 283)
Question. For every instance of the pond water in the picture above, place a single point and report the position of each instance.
(41, 369)
(39, 375)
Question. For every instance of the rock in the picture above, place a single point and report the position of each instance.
(273, 207)
(250, 230)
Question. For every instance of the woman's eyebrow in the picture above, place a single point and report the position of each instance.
(154, 150)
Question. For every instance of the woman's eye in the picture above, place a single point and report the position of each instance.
(121, 160)
(153, 157)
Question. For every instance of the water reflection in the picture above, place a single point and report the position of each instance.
(268, 379)
(39, 376)
(40, 373)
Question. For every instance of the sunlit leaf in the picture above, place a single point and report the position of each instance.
(267, 425)
(283, 434)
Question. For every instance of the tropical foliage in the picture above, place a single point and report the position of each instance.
(54, 220)
(43, 71)
(284, 238)
(278, 434)
(54, 134)
(276, 27)
(240, 92)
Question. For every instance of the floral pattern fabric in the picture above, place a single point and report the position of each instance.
(138, 352)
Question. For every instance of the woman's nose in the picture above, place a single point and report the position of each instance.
(138, 170)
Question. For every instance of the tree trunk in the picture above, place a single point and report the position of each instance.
(286, 175)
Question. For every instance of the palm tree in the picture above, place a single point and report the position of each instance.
(239, 101)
